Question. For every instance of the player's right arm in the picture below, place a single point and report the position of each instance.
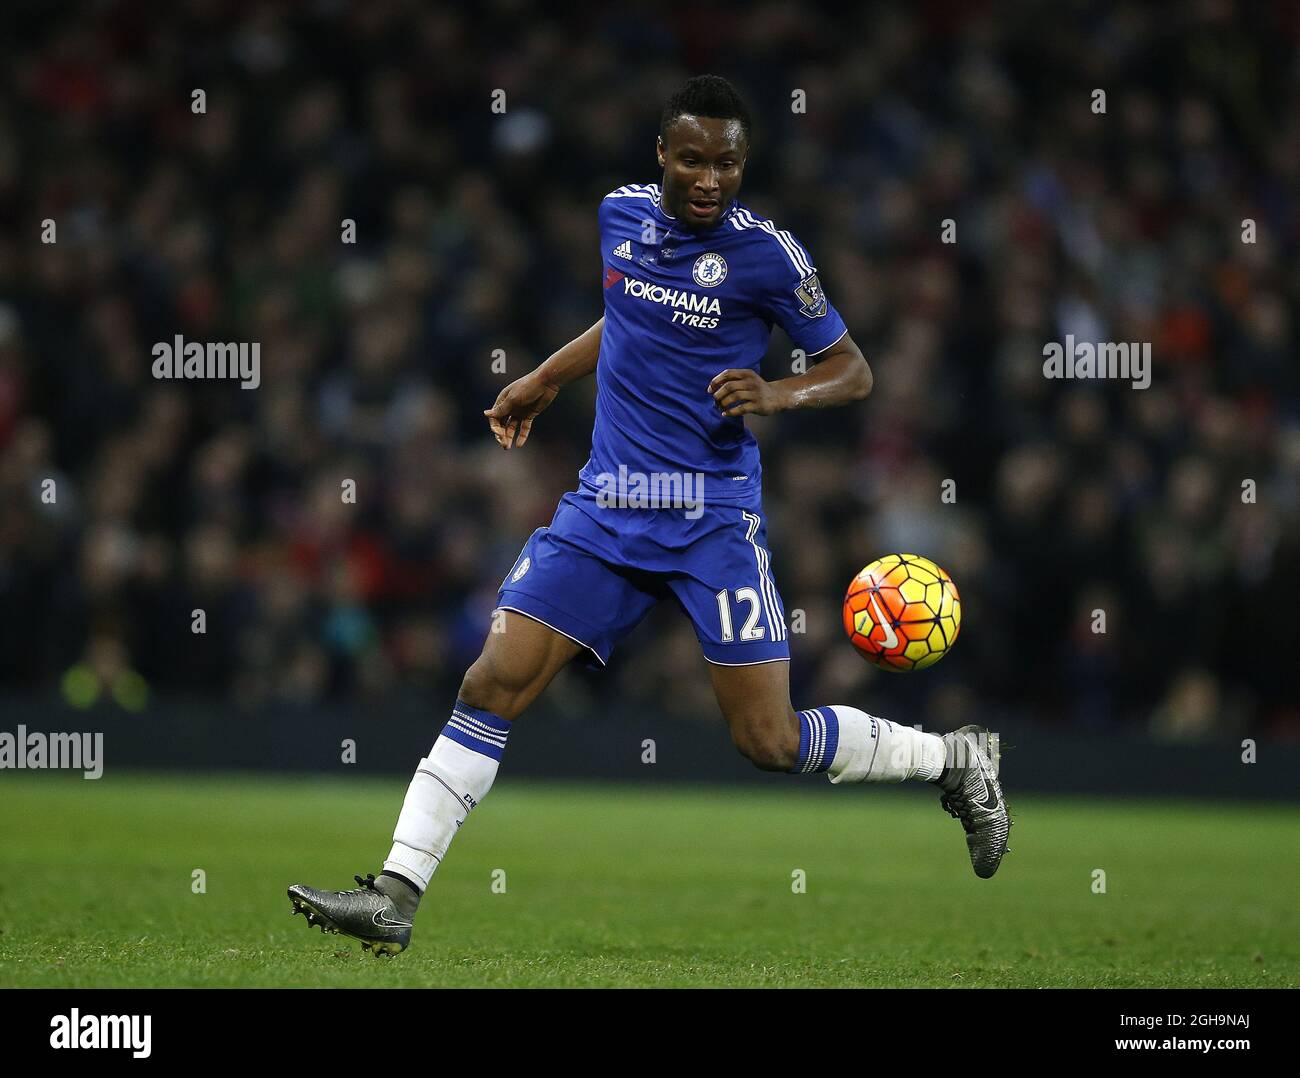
(525, 398)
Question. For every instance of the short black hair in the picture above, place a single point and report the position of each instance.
(705, 95)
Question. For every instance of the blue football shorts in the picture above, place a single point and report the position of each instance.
(596, 571)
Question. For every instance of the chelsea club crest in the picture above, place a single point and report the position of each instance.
(710, 270)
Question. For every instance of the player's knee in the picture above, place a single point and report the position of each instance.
(484, 687)
(769, 747)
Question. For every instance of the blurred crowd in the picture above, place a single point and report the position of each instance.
(476, 255)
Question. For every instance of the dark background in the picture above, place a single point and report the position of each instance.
(477, 232)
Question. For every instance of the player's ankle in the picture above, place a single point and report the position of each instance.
(404, 892)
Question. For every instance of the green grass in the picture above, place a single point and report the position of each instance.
(620, 885)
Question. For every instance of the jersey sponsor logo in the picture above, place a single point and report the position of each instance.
(710, 270)
(612, 276)
(671, 297)
(811, 298)
(623, 250)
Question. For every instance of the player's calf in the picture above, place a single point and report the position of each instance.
(771, 745)
(755, 701)
(516, 664)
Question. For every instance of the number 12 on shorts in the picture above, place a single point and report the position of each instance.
(751, 630)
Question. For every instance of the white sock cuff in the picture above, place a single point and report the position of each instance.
(416, 865)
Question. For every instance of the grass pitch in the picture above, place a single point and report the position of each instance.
(629, 885)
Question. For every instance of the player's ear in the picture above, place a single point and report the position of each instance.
(660, 150)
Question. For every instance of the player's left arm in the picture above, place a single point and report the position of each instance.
(790, 294)
(840, 376)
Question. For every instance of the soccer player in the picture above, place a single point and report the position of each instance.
(668, 505)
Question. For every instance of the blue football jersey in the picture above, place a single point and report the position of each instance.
(680, 306)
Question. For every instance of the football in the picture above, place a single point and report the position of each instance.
(902, 612)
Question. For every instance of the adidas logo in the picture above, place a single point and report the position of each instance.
(623, 250)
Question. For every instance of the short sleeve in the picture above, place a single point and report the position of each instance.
(793, 298)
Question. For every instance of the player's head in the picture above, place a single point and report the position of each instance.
(702, 146)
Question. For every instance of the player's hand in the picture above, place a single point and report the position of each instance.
(743, 392)
(511, 418)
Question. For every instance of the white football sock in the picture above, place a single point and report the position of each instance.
(872, 749)
(450, 781)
